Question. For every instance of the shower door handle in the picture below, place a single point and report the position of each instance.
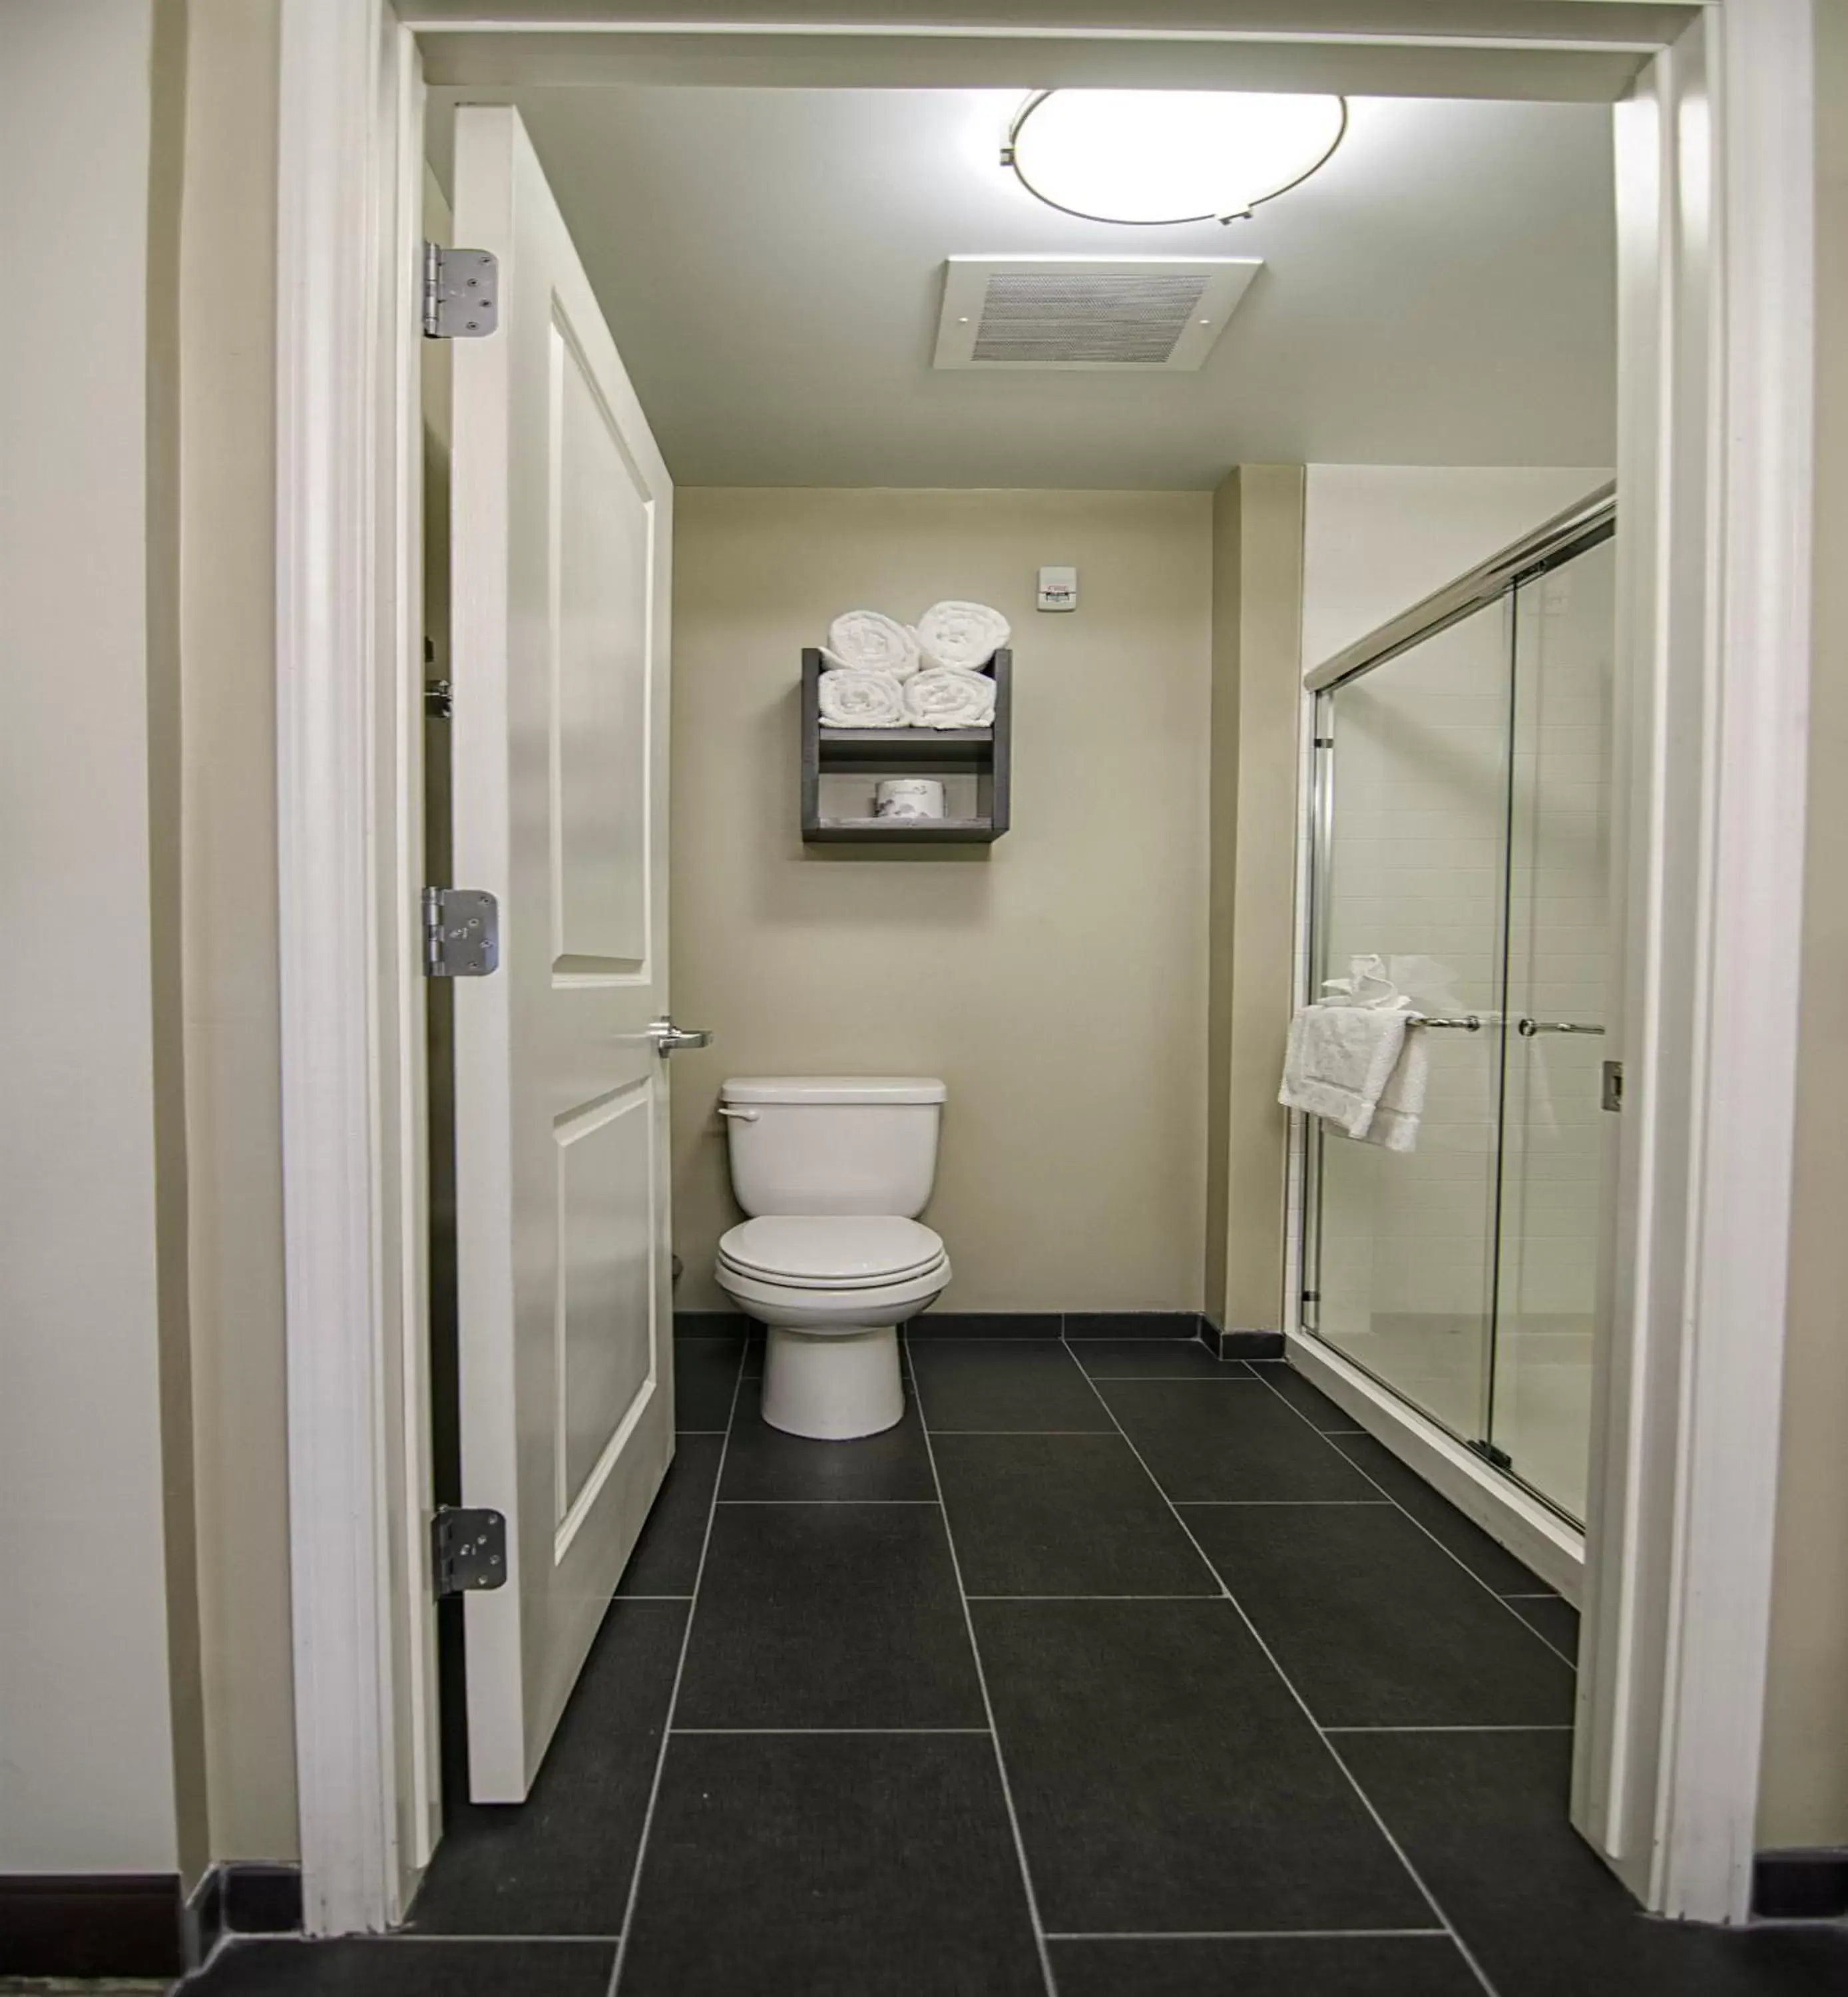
(1528, 1028)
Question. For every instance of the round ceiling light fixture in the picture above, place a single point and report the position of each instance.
(1150, 158)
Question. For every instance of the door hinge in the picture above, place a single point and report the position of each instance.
(461, 932)
(1489, 1454)
(468, 1550)
(460, 287)
(1610, 1095)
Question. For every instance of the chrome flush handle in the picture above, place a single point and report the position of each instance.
(670, 1039)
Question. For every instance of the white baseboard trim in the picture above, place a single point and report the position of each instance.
(1527, 1528)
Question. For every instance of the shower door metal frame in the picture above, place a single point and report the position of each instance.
(1587, 524)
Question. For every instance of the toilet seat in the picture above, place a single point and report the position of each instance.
(831, 1252)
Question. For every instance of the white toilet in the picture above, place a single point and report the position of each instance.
(832, 1169)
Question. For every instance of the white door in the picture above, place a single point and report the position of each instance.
(559, 548)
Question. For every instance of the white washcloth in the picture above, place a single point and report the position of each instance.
(949, 698)
(874, 642)
(849, 698)
(1360, 1068)
(960, 634)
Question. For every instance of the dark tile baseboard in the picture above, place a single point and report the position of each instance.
(128, 1924)
(1023, 1324)
(985, 1324)
(91, 1924)
(262, 1899)
(1239, 1344)
(1806, 1885)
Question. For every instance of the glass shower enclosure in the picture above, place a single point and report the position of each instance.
(1461, 815)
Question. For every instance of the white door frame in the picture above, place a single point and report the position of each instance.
(1715, 464)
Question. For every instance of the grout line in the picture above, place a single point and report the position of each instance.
(981, 1680)
(1212, 1596)
(1366, 1802)
(704, 1431)
(827, 1501)
(1020, 1432)
(1246, 1934)
(1548, 1596)
(753, 1732)
(398, 1935)
(679, 1669)
(1564, 1727)
(651, 1597)
(1425, 1529)
(1220, 1504)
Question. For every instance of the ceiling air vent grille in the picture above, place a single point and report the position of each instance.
(1143, 312)
(1100, 316)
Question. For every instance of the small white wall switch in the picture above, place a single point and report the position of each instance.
(1058, 589)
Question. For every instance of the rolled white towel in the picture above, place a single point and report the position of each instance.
(948, 697)
(872, 642)
(850, 697)
(955, 634)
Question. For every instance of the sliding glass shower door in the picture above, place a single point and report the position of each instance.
(1462, 809)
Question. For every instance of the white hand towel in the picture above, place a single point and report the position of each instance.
(866, 639)
(960, 634)
(850, 698)
(1344, 1065)
(1402, 1104)
(949, 698)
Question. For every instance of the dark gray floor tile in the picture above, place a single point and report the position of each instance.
(560, 1863)
(835, 1866)
(985, 1324)
(1324, 1414)
(1486, 1558)
(1062, 1514)
(1482, 1817)
(1555, 1619)
(1154, 1359)
(829, 1615)
(763, 1462)
(1132, 1324)
(706, 1373)
(1000, 1384)
(1166, 1780)
(385, 1968)
(1227, 1440)
(1377, 1626)
(1305, 1966)
(666, 1560)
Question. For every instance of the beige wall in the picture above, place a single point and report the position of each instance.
(1057, 980)
(1256, 714)
(1804, 1791)
(227, 561)
(97, 1696)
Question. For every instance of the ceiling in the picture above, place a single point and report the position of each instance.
(1442, 292)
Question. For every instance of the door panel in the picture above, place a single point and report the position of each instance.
(1553, 1146)
(1411, 866)
(560, 548)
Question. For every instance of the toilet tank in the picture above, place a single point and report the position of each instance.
(833, 1143)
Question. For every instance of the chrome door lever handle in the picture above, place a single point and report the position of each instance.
(670, 1039)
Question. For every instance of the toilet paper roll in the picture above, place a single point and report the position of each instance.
(909, 797)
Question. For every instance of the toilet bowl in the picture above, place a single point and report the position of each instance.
(832, 1169)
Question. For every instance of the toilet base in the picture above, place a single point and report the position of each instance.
(833, 1385)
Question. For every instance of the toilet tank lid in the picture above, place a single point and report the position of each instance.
(831, 1088)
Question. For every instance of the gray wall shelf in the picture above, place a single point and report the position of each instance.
(981, 752)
